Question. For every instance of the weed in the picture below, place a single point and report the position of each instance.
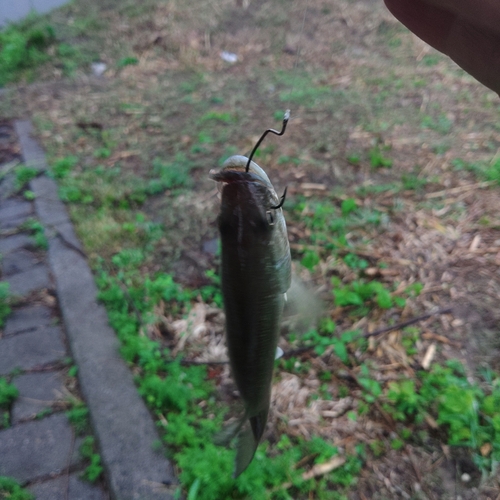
(23, 175)
(63, 166)
(8, 393)
(170, 175)
(376, 189)
(359, 292)
(348, 206)
(468, 413)
(127, 61)
(37, 229)
(79, 418)
(304, 91)
(218, 116)
(43, 413)
(488, 171)
(413, 182)
(321, 339)
(310, 259)
(377, 158)
(430, 59)
(22, 47)
(354, 159)
(212, 293)
(5, 309)
(94, 469)
(355, 262)
(10, 489)
(441, 124)
(102, 153)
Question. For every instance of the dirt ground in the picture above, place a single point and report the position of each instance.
(358, 85)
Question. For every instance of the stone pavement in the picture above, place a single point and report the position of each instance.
(58, 321)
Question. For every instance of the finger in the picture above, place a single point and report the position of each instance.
(474, 49)
(479, 12)
(430, 23)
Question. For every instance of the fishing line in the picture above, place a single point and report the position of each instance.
(286, 117)
(297, 54)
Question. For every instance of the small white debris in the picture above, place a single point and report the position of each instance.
(465, 478)
(229, 57)
(429, 356)
(98, 68)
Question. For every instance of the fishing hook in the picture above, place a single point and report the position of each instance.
(282, 200)
(285, 122)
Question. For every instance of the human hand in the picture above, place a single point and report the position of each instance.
(466, 30)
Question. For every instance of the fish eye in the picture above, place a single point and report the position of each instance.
(270, 217)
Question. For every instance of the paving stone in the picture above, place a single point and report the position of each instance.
(8, 186)
(13, 223)
(27, 318)
(31, 349)
(16, 262)
(59, 489)
(15, 242)
(36, 449)
(14, 208)
(37, 391)
(49, 207)
(35, 278)
(65, 232)
(33, 153)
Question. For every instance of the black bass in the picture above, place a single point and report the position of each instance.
(256, 273)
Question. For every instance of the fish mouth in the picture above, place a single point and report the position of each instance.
(232, 175)
(234, 170)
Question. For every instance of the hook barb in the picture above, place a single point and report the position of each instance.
(282, 200)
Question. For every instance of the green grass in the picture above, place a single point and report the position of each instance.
(485, 171)
(23, 47)
(28, 45)
(94, 469)
(10, 489)
(467, 412)
(79, 418)
(8, 394)
(5, 297)
(37, 230)
(23, 175)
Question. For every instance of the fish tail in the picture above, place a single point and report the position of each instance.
(248, 440)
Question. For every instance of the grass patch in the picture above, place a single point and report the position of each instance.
(10, 489)
(94, 469)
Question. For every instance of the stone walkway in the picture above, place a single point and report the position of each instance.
(59, 322)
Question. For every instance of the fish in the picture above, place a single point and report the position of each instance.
(255, 275)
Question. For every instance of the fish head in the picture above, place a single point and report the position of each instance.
(248, 201)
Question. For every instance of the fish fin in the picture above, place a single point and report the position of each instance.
(248, 440)
(279, 353)
(229, 432)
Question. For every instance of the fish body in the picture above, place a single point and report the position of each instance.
(255, 274)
